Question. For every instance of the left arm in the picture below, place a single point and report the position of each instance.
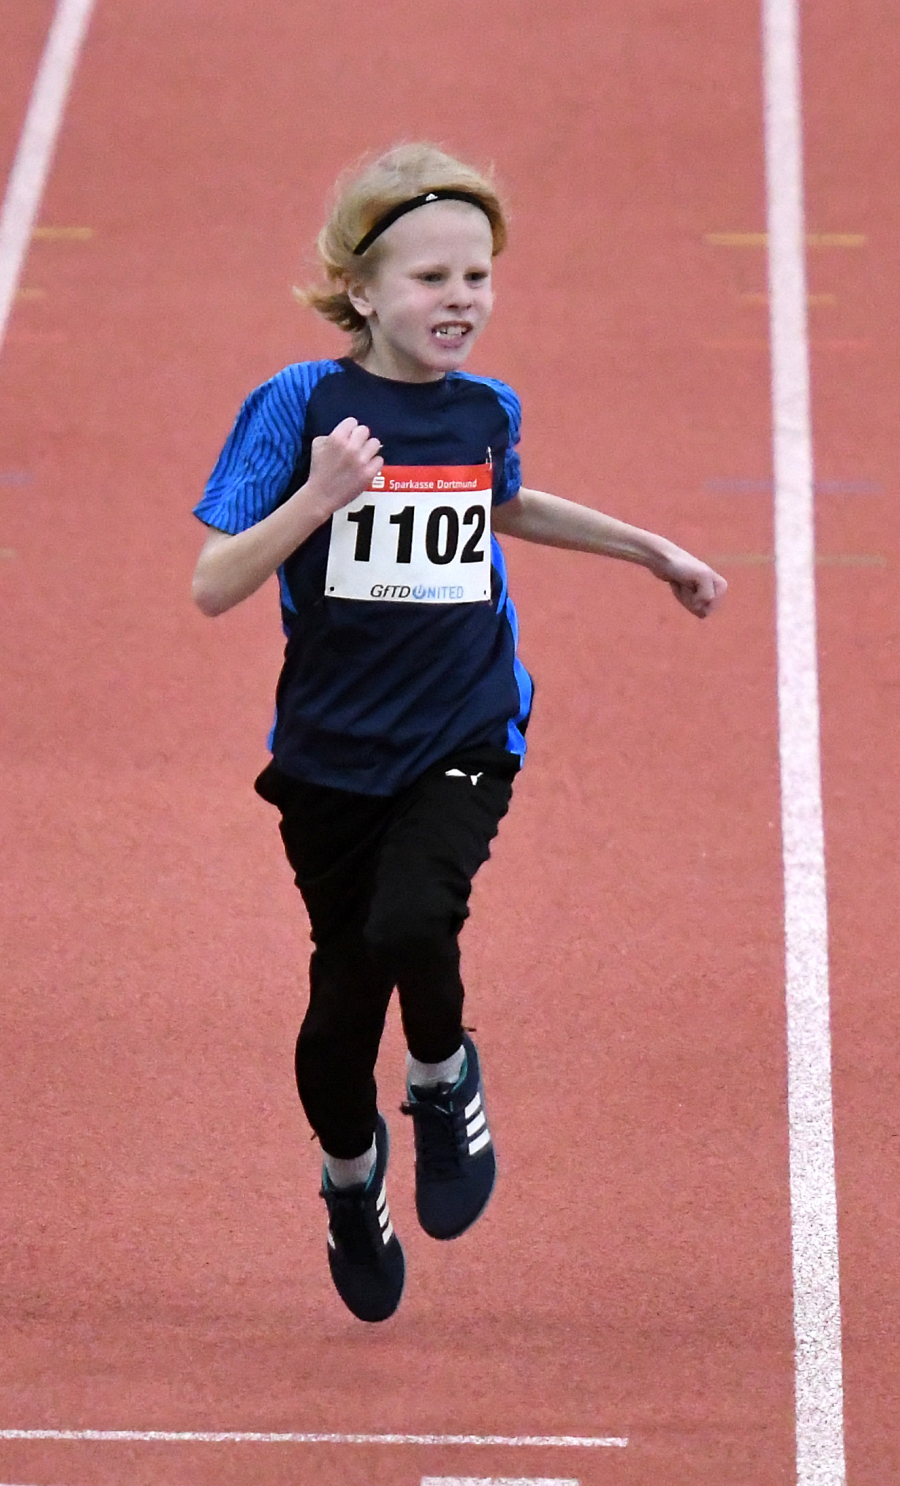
(535, 516)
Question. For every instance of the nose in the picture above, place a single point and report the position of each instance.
(459, 294)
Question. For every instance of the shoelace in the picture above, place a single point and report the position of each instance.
(440, 1137)
(347, 1220)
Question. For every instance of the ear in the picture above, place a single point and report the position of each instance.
(358, 294)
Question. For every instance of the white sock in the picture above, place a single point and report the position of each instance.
(427, 1075)
(350, 1173)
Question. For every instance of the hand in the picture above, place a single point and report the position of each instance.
(344, 464)
(695, 585)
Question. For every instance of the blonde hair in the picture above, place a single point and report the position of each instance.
(362, 197)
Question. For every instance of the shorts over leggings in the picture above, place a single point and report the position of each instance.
(386, 883)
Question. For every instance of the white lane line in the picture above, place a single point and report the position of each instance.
(817, 1317)
(496, 1481)
(230, 1437)
(40, 131)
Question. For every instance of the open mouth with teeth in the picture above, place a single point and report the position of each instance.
(454, 330)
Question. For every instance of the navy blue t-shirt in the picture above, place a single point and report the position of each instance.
(373, 691)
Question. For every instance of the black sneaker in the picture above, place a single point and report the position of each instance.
(455, 1165)
(364, 1253)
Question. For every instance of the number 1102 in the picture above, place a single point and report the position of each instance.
(442, 533)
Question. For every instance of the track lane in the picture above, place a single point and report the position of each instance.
(853, 148)
(23, 29)
(166, 1231)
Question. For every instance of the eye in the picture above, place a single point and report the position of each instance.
(431, 276)
(477, 276)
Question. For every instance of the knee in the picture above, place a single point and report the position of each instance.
(408, 926)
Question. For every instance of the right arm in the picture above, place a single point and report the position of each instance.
(230, 568)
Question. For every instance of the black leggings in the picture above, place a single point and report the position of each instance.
(386, 883)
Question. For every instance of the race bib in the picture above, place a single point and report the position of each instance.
(418, 535)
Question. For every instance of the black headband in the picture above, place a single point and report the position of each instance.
(390, 217)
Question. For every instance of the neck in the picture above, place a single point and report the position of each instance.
(384, 361)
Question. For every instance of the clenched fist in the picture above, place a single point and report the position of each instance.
(343, 464)
(695, 585)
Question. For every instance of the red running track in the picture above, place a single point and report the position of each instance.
(163, 1262)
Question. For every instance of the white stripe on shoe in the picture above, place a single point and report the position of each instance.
(476, 1124)
(479, 1143)
(384, 1215)
(471, 1108)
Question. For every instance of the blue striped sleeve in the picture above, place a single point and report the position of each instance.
(256, 464)
(512, 469)
(511, 478)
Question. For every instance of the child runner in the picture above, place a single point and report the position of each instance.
(372, 486)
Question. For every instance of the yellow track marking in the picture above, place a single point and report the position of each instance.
(830, 343)
(761, 239)
(811, 299)
(823, 559)
(836, 239)
(736, 239)
(63, 234)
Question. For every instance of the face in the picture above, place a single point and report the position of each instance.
(431, 294)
